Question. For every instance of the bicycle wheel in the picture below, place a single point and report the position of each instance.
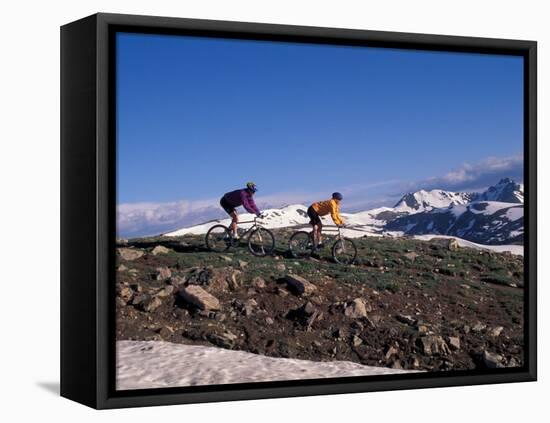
(218, 238)
(300, 244)
(261, 242)
(344, 251)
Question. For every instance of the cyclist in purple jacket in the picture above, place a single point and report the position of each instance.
(240, 197)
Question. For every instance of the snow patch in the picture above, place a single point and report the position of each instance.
(157, 364)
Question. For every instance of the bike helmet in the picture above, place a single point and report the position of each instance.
(251, 186)
(337, 196)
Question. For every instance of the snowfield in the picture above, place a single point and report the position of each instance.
(157, 364)
(514, 249)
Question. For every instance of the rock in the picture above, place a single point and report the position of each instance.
(478, 327)
(356, 309)
(195, 295)
(390, 352)
(233, 280)
(411, 256)
(259, 282)
(282, 292)
(162, 273)
(159, 249)
(166, 332)
(453, 245)
(249, 307)
(151, 304)
(463, 285)
(177, 280)
(404, 318)
(243, 264)
(130, 254)
(227, 259)
(269, 320)
(454, 343)
(495, 332)
(433, 345)
(224, 340)
(121, 268)
(492, 360)
(126, 293)
(166, 291)
(356, 341)
(299, 285)
(513, 363)
(280, 267)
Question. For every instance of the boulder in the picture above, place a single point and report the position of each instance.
(280, 267)
(391, 351)
(234, 280)
(249, 307)
(433, 345)
(453, 245)
(160, 249)
(454, 342)
(496, 331)
(356, 309)
(299, 285)
(198, 297)
(478, 327)
(356, 341)
(492, 360)
(126, 293)
(166, 291)
(224, 340)
(411, 256)
(130, 254)
(162, 273)
(258, 282)
(406, 319)
(151, 304)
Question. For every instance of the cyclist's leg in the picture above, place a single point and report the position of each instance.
(319, 233)
(234, 221)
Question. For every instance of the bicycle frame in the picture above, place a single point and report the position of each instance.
(255, 225)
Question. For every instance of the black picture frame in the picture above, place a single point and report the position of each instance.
(88, 160)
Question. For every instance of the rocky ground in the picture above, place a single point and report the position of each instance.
(405, 304)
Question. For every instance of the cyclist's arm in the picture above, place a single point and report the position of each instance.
(249, 204)
(335, 214)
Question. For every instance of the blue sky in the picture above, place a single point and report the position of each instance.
(197, 117)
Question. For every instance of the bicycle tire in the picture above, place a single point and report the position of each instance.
(306, 237)
(215, 246)
(351, 253)
(264, 250)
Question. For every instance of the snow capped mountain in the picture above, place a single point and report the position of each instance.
(506, 191)
(292, 215)
(419, 201)
(494, 216)
(485, 222)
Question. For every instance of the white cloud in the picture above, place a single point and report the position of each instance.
(474, 176)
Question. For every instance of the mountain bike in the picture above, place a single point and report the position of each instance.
(344, 250)
(261, 241)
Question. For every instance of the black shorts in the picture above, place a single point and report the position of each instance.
(226, 206)
(314, 218)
